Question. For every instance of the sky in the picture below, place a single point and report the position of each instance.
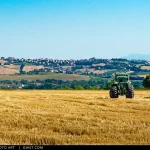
(74, 29)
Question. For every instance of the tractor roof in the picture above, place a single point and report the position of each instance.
(121, 74)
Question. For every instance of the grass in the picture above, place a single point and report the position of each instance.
(58, 76)
(73, 117)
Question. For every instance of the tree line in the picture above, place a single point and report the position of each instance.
(92, 84)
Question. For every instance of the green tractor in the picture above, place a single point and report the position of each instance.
(121, 85)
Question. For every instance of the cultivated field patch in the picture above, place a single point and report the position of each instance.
(31, 68)
(146, 67)
(6, 71)
(59, 76)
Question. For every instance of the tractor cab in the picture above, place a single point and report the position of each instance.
(121, 79)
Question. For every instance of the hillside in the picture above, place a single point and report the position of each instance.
(93, 67)
(73, 118)
(60, 76)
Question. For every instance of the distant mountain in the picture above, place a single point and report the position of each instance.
(138, 57)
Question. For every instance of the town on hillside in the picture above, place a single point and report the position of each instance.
(93, 68)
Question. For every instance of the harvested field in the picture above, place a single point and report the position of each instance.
(6, 71)
(146, 67)
(31, 68)
(73, 117)
(11, 66)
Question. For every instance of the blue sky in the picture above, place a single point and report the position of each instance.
(74, 29)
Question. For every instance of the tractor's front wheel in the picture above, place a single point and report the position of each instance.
(113, 92)
(130, 91)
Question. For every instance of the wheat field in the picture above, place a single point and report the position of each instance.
(73, 118)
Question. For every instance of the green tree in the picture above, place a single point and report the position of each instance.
(24, 81)
(21, 68)
(108, 86)
(146, 81)
(79, 87)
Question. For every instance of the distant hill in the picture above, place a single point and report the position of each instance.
(138, 57)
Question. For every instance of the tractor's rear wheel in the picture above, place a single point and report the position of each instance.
(130, 91)
(113, 92)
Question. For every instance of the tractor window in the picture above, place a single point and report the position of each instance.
(122, 79)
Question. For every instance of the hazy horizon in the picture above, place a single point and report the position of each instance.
(77, 29)
(139, 56)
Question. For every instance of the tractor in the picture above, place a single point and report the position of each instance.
(121, 85)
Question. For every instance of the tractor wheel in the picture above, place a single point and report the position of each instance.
(113, 92)
(130, 91)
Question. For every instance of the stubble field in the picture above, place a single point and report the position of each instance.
(73, 117)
